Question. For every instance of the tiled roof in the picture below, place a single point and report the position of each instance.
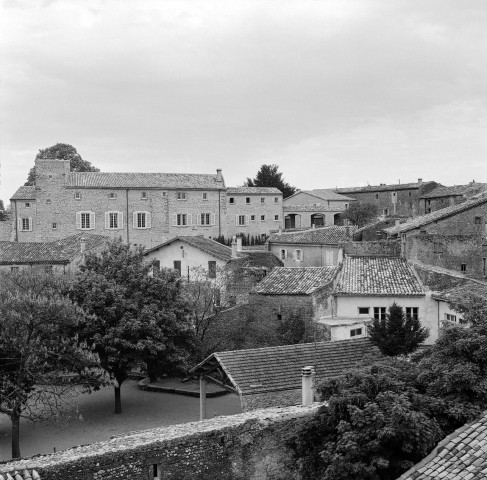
(259, 259)
(461, 455)
(469, 287)
(322, 194)
(254, 190)
(315, 236)
(142, 180)
(382, 188)
(295, 281)
(207, 245)
(377, 276)
(26, 192)
(24, 474)
(270, 369)
(57, 252)
(470, 189)
(435, 216)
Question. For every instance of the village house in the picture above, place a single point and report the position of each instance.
(397, 199)
(316, 247)
(253, 211)
(60, 255)
(454, 237)
(314, 207)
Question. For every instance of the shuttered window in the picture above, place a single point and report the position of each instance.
(85, 220)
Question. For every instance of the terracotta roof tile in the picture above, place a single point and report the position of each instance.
(435, 216)
(269, 369)
(377, 276)
(295, 281)
(328, 194)
(254, 190)
(381, 188)
(256, 259)
(460, 455)
(143, 180)
(316, 236)
(26, 192)
(470, 287)
(468, 190)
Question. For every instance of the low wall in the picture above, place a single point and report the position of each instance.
(250, 446)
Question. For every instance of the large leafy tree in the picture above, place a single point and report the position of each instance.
(62, 151)
(269, 176)
(397, 334)
(139, 314)
(37, 346)
(360, 213)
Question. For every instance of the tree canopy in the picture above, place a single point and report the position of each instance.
(397, 334)
(139, 314)
(360, 213)
(269, 176)
(62, 151)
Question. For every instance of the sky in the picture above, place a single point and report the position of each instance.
(335, 92)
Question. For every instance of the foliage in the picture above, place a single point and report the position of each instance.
(139, 314)
(269, 176)
(3, 213)
(62, 151)
(360, 213)
(247, 240)
(397, 334)
(472, 308)
(37, 347)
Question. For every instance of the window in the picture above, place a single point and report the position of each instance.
(47, 269)
(181, 195)
(377, 196)
(463, 267)
(299, 255)
(262, 218)
(252, 218)
(410, 204)
(247, 200)
(241, 220)
(380, 313)
(409, 193)
(156, 266)
(54, 226)
(141, 220)
(437, 247)
(428, 210)
(484, 265)
(412, 312)
(177, 266)
(143, 195)
(355, 332)
(48, 201)
(283, 254)
(155, 470)
(276, 199)
(262, 199)
(478, 220)
(231, 200)
(49, 176)
(182, 219)
(14, 269)
(85, 220)
(27, 204)
(205, 196)
(346, 206)
(363, 310)
(25, 224)
(113, 220)
(211, 269)
(276, 218)
(450, 317)
(206, 219)
(385, 211)
(77, 195)
(112, 195)
(279, 316)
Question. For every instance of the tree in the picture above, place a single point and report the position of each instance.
(62, 151)
(269, 176)
(37, 347)
(139, 315)
(360, 213)
(397, 334)
(3, 213)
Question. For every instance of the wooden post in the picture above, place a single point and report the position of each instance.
(202, 397)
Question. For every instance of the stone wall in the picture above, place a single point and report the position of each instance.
(270, 399)
(382, 248)
(6, 231)
(436, 278)
(249, 446)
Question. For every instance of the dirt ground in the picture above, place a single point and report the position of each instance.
(97, 422)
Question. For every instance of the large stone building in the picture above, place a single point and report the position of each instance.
(140, 208)
(399, 199)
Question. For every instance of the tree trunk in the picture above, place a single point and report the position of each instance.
(118, 400)
(15, 418)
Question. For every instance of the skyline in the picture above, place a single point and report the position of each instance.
(337, 94)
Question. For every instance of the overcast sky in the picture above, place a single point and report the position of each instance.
(337, 93)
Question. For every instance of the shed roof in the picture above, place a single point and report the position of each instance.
(253, 190)
(269, 369)
(143, 180)
(435, 216)
(378, 276)
(25, 192)
(332, 235)
(460, 455)
(295, 280)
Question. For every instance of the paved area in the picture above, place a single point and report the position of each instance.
(96, 421)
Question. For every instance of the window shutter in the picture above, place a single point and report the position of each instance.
(198, 218)
(134, 219)
(213, 219)
(285, 254)
(78, 220)
(92, 220)
(302, 255)
(148, 220)
(19, 223)
(107, 220)
(236, 219)
(247, 220)
(30, 224)
(175, 220)
(120, 220)
(190, 219)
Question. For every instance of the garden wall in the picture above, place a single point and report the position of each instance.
(250, 446)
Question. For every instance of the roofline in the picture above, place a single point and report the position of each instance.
(344, 294)
(308, 192)
(378, 188)
(144, 188)
(35, 262)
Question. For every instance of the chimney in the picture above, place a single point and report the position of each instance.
(239, 244)
(219, 177)
(82, 244)
(234, 248)
(420, 181)
(308, 376)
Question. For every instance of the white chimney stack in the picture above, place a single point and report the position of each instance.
(234, 247)
(308, 377)
(219, 177)
(82, 244)
(239, 244)
(420, 181)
